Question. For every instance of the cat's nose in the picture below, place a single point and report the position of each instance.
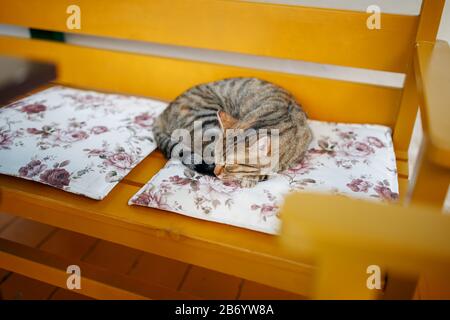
(218, 170)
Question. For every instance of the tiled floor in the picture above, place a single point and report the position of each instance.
(166, 272)
(180, 277)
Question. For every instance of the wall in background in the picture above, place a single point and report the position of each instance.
(444, 30)
(14, 31)
(410, 7)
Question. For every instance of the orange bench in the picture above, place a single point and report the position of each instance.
(336, 37)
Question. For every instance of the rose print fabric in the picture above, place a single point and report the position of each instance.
(79, 141)
(346, 159)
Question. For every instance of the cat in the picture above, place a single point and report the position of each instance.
(246, 104)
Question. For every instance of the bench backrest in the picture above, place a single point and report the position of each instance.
(337, 37)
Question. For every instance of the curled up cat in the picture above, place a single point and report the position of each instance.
(237, 129)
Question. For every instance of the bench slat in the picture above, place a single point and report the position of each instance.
(142, 173)
(165, 78)
(313, 34)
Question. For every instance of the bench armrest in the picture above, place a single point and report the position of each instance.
(432, 69)
(366, 226)
(346, 236)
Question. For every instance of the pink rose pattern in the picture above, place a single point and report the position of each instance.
(99, 129)
(71, 136)
(79, 141)
(346, 159)
(121, 160)
(31, 169)
(144, 120)
(359, 185)
(58, 177)
(33, 108)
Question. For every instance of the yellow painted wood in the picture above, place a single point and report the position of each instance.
(406, 117)
(403, 185)
(431, 182)
(402, 155)
(347, 235)
(342, 220)
(403, 168)
(319, 35)
(429, 22)
(435, 285)
(400, 286)
(341, 274)
(432, 65)
(143, 172)
(165, 78)
(210, 245)
(432, 81)
(430, 17)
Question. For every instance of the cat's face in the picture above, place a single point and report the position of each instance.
(245, 154)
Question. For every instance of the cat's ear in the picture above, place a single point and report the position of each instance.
(226, 121)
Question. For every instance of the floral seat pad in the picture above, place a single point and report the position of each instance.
(346, 159)
(79, 141)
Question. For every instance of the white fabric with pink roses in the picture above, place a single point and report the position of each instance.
(85, 142)
(80, 141)
(346, 159)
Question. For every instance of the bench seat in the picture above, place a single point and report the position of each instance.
(211, 245)
(214, 246)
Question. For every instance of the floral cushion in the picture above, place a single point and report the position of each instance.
(347, 159)
(83, 142)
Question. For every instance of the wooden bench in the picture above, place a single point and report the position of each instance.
(404, 44)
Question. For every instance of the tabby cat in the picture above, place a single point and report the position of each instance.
(246, 104)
